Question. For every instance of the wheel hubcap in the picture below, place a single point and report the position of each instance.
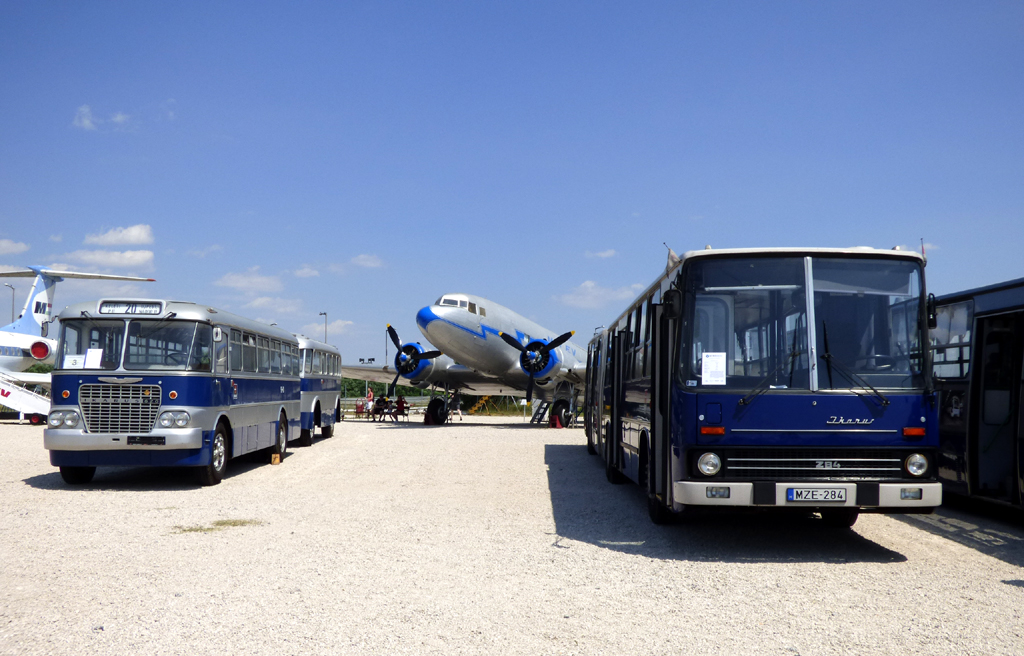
(218, 452)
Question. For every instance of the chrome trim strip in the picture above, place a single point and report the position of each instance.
(837, 470)
(811, 430)
(812, 334)
(814, 459)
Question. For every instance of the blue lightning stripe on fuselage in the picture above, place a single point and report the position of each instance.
(425, 316)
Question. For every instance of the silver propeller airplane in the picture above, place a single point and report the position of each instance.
(483, 348)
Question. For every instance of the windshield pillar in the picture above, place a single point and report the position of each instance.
(812, 334)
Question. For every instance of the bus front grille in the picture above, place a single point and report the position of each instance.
(823, 463)
(119, 408)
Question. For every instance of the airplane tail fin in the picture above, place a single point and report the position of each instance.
(39, 304)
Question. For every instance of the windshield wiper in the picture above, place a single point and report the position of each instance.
(765, 383)
(847, 373)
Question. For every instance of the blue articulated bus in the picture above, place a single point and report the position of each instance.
(772, 378)
(321, 385)
(168, 383)
(978, 355)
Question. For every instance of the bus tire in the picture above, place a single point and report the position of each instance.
(306, 437)
(213, 473)
(591, 449)
(281, 442)
(326, 431)
(77, 475)
(839, 517)
(614, 476)
(657, 511)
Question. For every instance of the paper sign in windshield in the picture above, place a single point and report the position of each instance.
(93, 358)
(73, 362)
(712, 369)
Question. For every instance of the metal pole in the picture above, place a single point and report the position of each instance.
(7, 284)
(324, 315)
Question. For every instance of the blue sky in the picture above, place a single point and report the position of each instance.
(360, 159)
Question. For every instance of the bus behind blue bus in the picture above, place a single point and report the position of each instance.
(772, 378)
(168, 383)
(321, 385)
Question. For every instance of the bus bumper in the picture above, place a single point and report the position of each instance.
(881, 496)
(171, 439)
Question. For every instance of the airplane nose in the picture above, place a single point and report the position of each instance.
(425, 316)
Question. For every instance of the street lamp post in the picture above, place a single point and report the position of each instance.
(324, 315)
(7, 284)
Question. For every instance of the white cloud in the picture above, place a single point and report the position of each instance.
(281, 305)
(84, 118)
(9, 247)
(250, 281)
(368, 261)
(336, 327)
(603, 254)
(120, 118)
(136, 234)
(592, 296)
(307, 272)
(56, 238)
(115, 259)
(203, 252)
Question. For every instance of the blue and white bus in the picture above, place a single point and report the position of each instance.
(772, 378)
(321, 384)
(168, 383)
(978, 347)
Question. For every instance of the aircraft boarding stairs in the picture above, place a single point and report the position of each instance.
(25, 401)
(540, 413)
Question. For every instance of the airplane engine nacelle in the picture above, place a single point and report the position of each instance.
(412, 368)
(39, 350)
(539, 364)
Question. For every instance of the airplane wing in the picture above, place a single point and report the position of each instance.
(456, 376)
(31, 273)
(29, 379)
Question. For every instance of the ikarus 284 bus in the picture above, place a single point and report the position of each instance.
(171, 384)
(772, 378)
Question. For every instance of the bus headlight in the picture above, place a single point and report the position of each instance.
(70, 419)
(916, 464)
(177, 419)
(55, 419)
(709, 464)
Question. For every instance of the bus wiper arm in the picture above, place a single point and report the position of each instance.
(852, 376)
(765, 383)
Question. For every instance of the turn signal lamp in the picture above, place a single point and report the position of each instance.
(712, 430)
(913, 432)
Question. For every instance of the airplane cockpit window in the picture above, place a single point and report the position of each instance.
(472, 308)
(438, 301)
(449, 301)
(483, 312)
(463, 304)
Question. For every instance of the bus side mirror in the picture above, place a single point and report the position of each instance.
(218, 334)
(45, 328)
(672, 301)
(933, 319)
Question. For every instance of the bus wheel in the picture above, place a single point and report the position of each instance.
(614, 476)
(840, 517)
(306, 437)
(281, 443)
(591, 449)
(77, 475)
(212, 473)
(326, 431)
(436, 411)
(657, 511)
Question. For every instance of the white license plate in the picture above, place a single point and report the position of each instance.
(816, 494)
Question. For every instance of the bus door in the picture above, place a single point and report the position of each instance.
(659, 478)
(997, 447)
(613, 400)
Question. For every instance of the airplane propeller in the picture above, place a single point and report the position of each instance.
(534, 355)
(407, 358)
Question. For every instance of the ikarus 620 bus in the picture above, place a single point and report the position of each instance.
(772, 378)
(168, 383)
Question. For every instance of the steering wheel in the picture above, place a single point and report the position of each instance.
(175, 358)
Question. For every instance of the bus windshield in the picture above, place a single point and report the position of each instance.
(750, 325)
(90, 344)
(168, 345)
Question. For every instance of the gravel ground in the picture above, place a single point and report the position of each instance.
(480, 537)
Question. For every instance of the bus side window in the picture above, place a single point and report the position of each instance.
(316, 363)
(275, 356)
(220, 353)
(201, 358)
(296, 362)
(236, 350)
(307, 361)
(263, 354)
(248, 352)
(951, 340)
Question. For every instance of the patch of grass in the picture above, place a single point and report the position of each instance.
(217, 525)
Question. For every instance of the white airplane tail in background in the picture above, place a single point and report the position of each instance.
(39, 304)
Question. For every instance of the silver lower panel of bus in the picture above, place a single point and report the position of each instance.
(70, 439)
(890, 495)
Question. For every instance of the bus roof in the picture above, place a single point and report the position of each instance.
(183, 310)
(996, 296)
(310, 343)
